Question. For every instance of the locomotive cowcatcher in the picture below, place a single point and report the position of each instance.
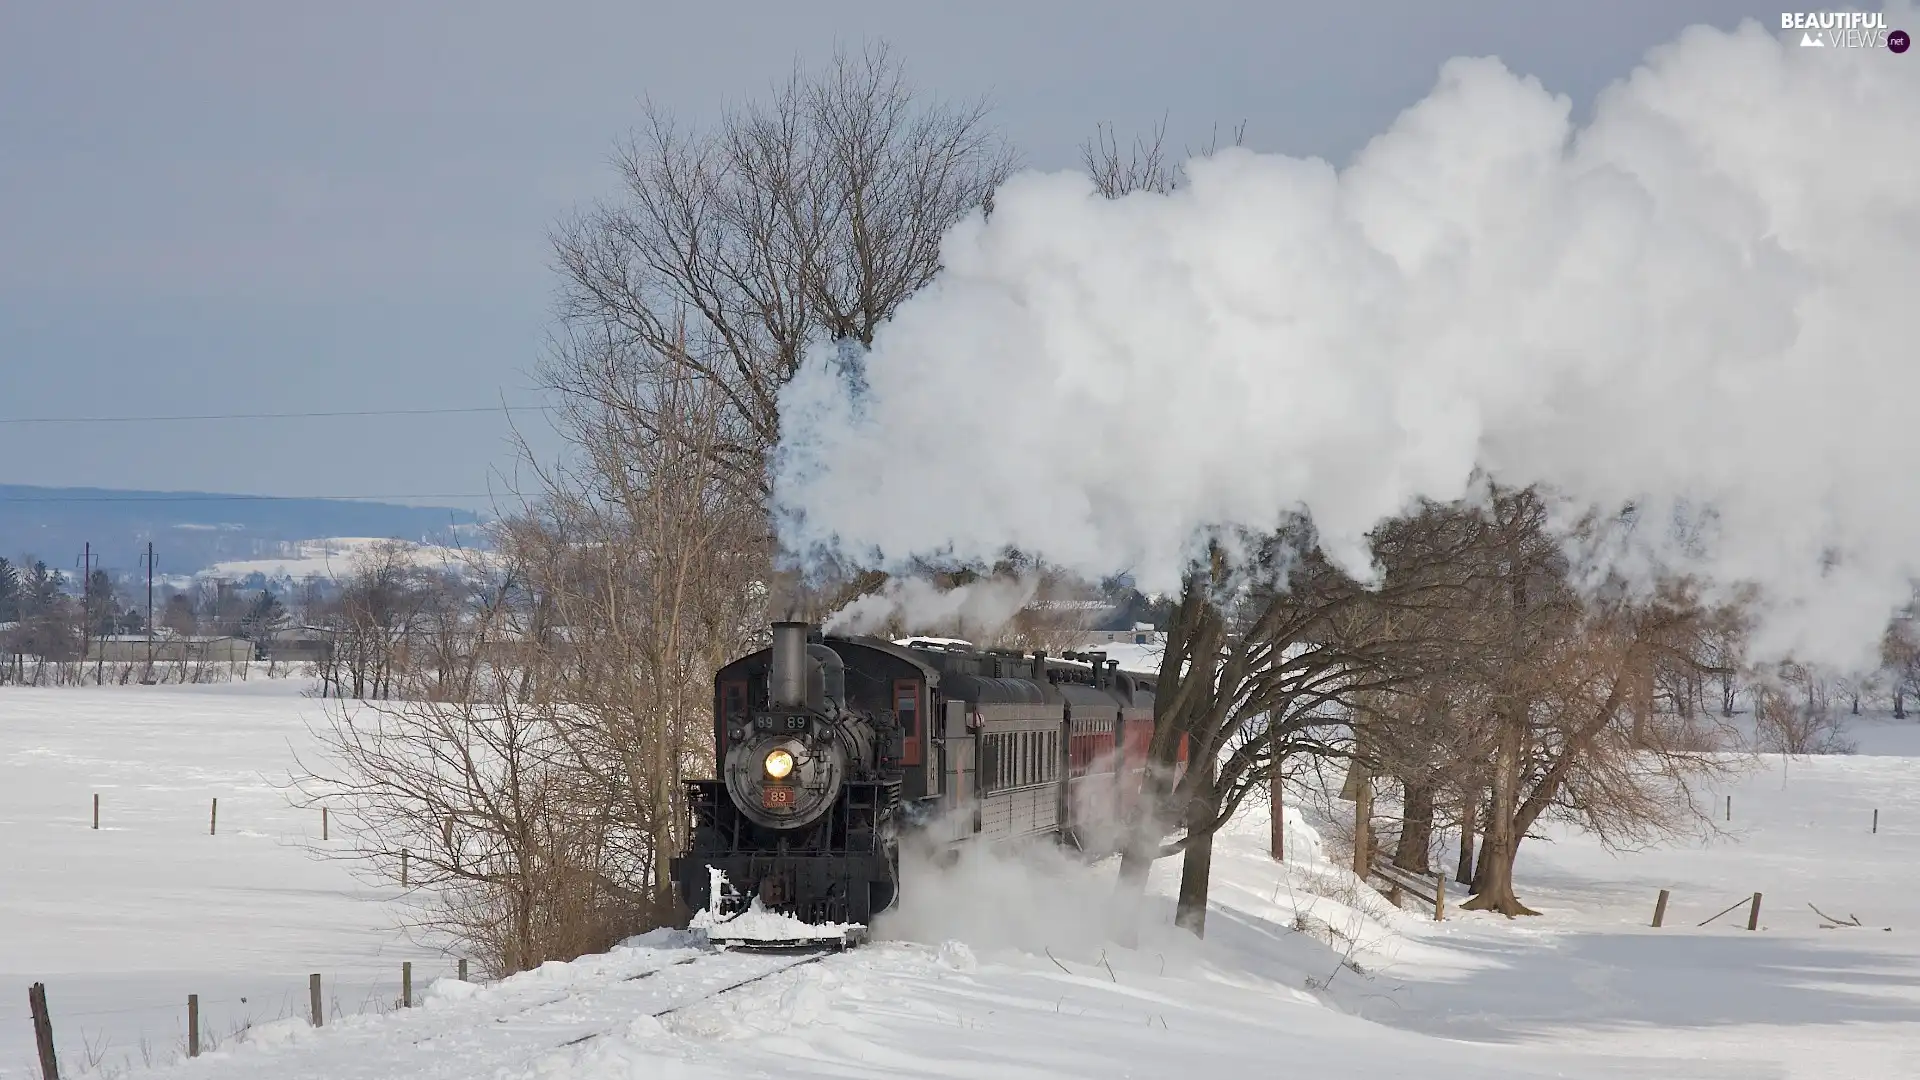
(833, 750)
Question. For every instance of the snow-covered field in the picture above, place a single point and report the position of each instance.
(1004, 970)
(334, 557)
(123, 923)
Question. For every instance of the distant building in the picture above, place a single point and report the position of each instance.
(1137, 634)
(298, 644)
(170, 649)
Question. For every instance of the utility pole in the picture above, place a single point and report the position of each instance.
(86, 608)
(148, 678)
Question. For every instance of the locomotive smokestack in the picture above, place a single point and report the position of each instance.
(787, 681)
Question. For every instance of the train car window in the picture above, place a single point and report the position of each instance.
(906, 705)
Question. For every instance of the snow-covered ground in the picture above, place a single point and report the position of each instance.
(123, 923)
(334, 557)
(1001, 968)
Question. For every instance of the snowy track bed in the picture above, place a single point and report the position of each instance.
(466, 1030)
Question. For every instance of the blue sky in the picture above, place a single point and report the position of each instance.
(242, 207)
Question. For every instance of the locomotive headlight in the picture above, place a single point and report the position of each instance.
(778, 764)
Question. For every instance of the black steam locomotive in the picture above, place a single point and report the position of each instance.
(833, 750)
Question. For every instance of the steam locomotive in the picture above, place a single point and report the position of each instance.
(833, 750)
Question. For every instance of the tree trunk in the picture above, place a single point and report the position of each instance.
(1899, 705)
(1493, 880)
(1463, 873)
(1416, 828)
(1196, 868)
(1362, 821)
(1277, 827)
(1642, 708)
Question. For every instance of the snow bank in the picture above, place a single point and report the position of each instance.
(758, 924)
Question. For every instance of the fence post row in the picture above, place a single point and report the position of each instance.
(43, 1031)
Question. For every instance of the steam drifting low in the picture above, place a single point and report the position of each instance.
(1703, 298)
(917, 605)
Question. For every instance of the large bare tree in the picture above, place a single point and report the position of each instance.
(802, 219)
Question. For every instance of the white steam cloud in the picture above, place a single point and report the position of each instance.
(918, 606)
(1703, 298)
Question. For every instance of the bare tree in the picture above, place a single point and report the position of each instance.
(1900, 653)
(480, 796)
(804, 219)
(1145, 165)
(1266, 655)
(1561, 665)
(645, 565)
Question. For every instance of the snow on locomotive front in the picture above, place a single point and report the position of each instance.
(802, 815)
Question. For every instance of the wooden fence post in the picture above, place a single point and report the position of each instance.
(96, 810)
(213, 818)
(1753, 913)
(463, 969)
(1729, 808)
(406, 984)
(313, 1000)
(323, 823)
(1440, 897)
(43, 1031)
(1876, 821)
(193, 1025)
(1660, 909)
(403, 868)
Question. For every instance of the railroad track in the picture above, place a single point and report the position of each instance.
(561, 998)
(709, 995)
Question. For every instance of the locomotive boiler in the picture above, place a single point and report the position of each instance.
(833, 750)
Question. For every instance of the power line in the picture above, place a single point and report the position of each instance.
(183, 497)
(265, 416)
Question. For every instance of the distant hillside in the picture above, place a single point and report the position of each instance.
(192, 530)
(334, 557)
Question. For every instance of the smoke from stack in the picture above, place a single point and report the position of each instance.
(916, 606)
(1699, 301)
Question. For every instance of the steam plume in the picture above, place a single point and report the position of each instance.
(1703, 298)
(918, 606)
